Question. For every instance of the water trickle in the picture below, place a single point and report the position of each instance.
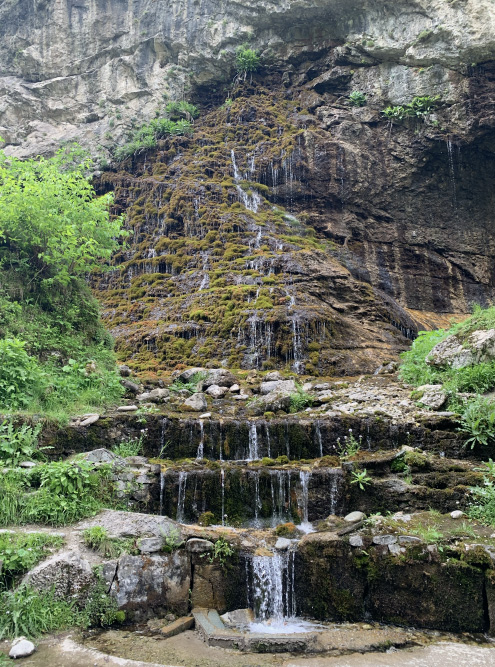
(452, 171)
(253, 442)
(257, 500)
(298, 365)
(162, 487)
(206, 278)
(251, 201)
(318, 437)
(272, 589)
(201, 446)
(181, 497)
(267, 431)
(304, 476)
(336, 482)
(280, 495)
(162, 436)
(222, 481)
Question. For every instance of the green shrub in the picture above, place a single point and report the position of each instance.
(19, 552)
(147, 136)
(100, 609)
(206, 519)
(286, 530)
(18, 444)
(12, 504)
(361, 478)
(419, 107)
(177, 110)
(478, 422)
(30, 613)
(130, 447)
(20, 374)
(300, 400)
(357, 99)
(350, 447)
(266, 461)
(247, 61)
(222, 551)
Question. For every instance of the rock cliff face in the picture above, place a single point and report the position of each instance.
(292, 228)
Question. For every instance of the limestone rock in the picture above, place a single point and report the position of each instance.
(158, 395)
(67, 572)
(457, 514)
(101, 455)
(87, 420)
(131, 387)
(354, 517)
(198, 546)
(196, 402)
(220, 377)
(356, 541)
(278, 386)
(408, 539)
(384, 539)
(272, 402)
(186, 375)
(273, 376)
(282, 544)
(433, 396)
(21, 648)
(127, 408)
(458, 352)
(234, 389)
(125, 371)
(150, 544)
(215, 391)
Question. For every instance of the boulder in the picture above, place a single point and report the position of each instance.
(130, 387)
(384, 539)
(354, 517)
(127, 408)
(286, 386)
(131, 524)
(282, 544)
(272, 402)
(235, 389)
(87, 420)
(150, 544)
(101, 455)
(198, 546)
(433, 396)
(220, 377)
(158, 395)
(21, 648)
(215, 391)
(272, 376)
(186, 375)
(457, 514)
(70, 575)
(125, 371)
(356, 541)
(458, 352)
(196, 402)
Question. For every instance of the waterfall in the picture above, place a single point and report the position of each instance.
(162, 437)
(181, 497)
(253, 442)
(450, 153)
(318, 436)
(162, 486)
(335, 488)
(222, 481)
(280, 494)
(272, 589)
(304, 476)
(267, 430)
(298, 365)
(251, 201)
(206, 278)
(257, 500)
(200, 452)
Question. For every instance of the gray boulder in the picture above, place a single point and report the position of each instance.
(215, 391)
(433, 396)
(198, 546)
(130, 387)
(186, 375)
(458, 352)
(101, 455)
(354, 517)
(159, 395)
(288, 386)
(70, 575)
(272, 402)
(125, 371)
(150, 544)
(220, 377)
(196, 402)
(21, 648)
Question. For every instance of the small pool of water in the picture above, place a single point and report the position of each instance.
(287, 626)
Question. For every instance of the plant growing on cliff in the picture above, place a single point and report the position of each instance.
(419, 107)
(148, 135)
(357, 99)
(221, 552)
(350, 447)
(129, 447)
(478, 422)
(482, 506)
(247, 61)
(178, 110)
(361, 478)
(300, 399)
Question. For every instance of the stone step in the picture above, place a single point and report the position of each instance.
(178, 626)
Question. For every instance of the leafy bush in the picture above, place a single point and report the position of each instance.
(300, 400)
(350, 447)
(247, 61)
(177, 110)
(147, 136)
(478, 422)
(19, 552)
(357, 99)
(100, 609)
(31, 613)
(482, 506)
(419, 107)
(206, 519)
(20, 374)
(97, 538)
(172, 540)
(12, 504)
(222, 551)
(191, 385)
(18, 444)
(130, 447)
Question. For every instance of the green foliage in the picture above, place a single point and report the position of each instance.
(361, 478)
(427, 533)
(30, 613)
(300, 400)
(20, 374)
(350, 447)
(177, 110)
(357, 99)
(52, 225)
(247, 61)
(286, 530)
(12, 489)
(172, 540)
(130, 447)
(100, 609)
(19, 552)
(206, 519)
(482, 506)
(222, 551)
(191, 385)
(18, 444)
(478, 422)
(419, 107)
(147, 136)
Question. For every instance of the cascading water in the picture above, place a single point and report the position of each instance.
(304, 476)
(162, 487)
(201, 447)
(181, 497)
(253, 442)
(336, 482)
(280, 496)
(318, 436)
(251, 201)
(222, 481)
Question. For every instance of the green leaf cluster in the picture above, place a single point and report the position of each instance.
(247, 61)
(148, 135)
(419, 107)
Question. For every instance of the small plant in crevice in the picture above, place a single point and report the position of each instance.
(350, 447)
(361, 478)
(97, 538)
(478, 422)
(300, 399)
(357, 99)
(129, 447)
(247, 61)
(419, 108)
(172, 540)
(221, 553)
